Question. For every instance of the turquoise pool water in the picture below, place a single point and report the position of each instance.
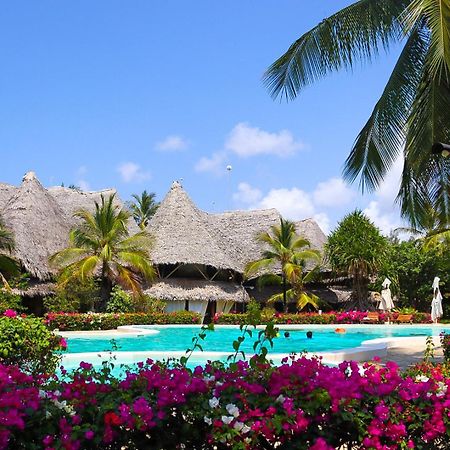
(179, 338)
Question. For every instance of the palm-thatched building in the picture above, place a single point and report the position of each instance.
(200, 256)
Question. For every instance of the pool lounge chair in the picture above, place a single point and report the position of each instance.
(372, 317)
(404, 318)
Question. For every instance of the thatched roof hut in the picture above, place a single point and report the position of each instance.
(186, 235)
(183, 235)
(41, 220)
(38, 223)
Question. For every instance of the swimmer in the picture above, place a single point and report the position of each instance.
(286, 334)
(309, 334)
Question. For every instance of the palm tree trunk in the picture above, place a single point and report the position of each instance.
(284, 294)
(105, 289)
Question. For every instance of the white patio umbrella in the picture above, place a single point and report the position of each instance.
(386, 302)
(436, 303)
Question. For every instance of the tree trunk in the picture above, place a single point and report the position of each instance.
(361, 293)
(284, 294)
(105, 292)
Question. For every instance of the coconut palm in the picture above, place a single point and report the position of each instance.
(413, 111)
(8, 266)
(286, 251)
(143, 208)
(102, 246)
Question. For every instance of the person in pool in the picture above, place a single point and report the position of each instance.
(309, 334)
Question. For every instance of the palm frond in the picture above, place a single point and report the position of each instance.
(437, 16)
(426, 177)
(254, 267)
(139, 262)
(382, 137)
(67, 257)
(355, 33)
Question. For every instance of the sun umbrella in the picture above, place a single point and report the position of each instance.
(386, 302)
(436, 303)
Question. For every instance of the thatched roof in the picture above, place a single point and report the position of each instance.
(41, 219)
(35, 289)
(38, 223)
(181, 289)
(72, 200)
(184, 234)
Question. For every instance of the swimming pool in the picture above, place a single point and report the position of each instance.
(178, 338)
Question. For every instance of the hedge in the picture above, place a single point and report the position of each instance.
(348, 317)
(109, 321)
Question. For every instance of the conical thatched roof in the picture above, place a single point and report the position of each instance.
(38, 223)
(183, 235)
(72, 200)
(180, 289)
(6, 192)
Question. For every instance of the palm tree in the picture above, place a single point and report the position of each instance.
(102, 246)
(413, 111)
(143, 208)
(431, 232)
(286, 251)
(8, 266)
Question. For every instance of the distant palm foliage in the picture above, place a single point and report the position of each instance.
(286, 252)
(413, 111)
(8, 265)
(357, 248)
(102, 246)
(143, 208)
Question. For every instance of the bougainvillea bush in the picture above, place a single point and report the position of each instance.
(28, 343)
(108, 321)
(249, 405)
(346, 317)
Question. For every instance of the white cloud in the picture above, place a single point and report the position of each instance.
(247, 194)
(84, 185)
(215, 164)
(172, 143)
(132, 172)
(333, 193)
(293, 204)
(385, 221)
(246, 141)
(81, 171)
(383, 211)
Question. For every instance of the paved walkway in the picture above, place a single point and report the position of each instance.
(408, 351)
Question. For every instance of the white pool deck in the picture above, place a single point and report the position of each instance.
(405, 351)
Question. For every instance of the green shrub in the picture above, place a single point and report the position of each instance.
(29, 344)
(145, 303)
(9, 300)
(60, 303)
(73, 296)
(110, 321)
(120, 301)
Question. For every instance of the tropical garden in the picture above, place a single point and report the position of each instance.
(254, 403)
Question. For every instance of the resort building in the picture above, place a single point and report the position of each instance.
(200, 256)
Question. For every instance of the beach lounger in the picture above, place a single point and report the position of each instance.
(372, 317)
(404, 318)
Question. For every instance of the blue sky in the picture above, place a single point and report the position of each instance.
(134, 95)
